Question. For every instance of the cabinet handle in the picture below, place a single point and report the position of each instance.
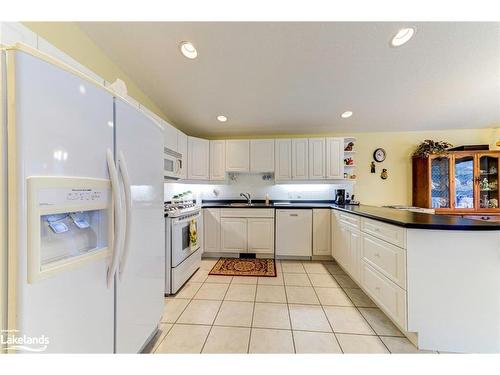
(377, 288)
(294, 214)
(377, 255)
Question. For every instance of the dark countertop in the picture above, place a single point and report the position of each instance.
(418, 220)
(273, 204)
(393, 216)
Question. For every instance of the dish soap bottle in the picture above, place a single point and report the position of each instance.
(267, 199)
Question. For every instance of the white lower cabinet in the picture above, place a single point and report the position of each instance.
(354, 253)
(387, 295)
(321, 232)
(294, 233)
(211, 229)
(233, 235)
(260, 235)
(366, 250)
(241, 230)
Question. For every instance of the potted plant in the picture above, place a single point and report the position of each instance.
(430, 147)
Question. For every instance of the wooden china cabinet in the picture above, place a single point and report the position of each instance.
(458, 182)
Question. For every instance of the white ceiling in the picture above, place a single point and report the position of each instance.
(298, 77)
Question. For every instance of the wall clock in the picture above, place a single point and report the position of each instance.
(379, 155)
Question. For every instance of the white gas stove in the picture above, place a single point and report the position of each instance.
(182, 255)
(179, 209)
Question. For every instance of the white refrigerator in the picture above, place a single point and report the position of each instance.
(83, 212)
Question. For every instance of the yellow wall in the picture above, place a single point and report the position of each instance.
(371, 189)
(70, 39)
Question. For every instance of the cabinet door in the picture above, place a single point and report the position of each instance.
(300, 157)
(233, 235)
(237, 155)
(182, 148)
(211, 224)
(261, 236)
(341, 245)
(198, 158)
(283, 159)
(170, 136)
(217, 160)
(354, 254)
(262, 155)
(334, 158)
(464, 184)
(440, 182)
(487, 180)
(321, 232)
(317, 151)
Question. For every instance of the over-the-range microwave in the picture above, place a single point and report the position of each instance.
(172, 164)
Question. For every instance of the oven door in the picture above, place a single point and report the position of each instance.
(181, 244)
(172, 164)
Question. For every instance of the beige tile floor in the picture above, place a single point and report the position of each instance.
(310, 307)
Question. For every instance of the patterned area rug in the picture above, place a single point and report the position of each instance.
(244, 267)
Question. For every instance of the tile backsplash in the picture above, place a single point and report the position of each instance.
(257, 187)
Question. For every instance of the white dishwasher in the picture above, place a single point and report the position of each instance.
(294, 232)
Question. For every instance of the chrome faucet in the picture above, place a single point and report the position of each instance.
(247, 197)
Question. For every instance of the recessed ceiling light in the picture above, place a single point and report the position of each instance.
(188, 50)
(221, 118)
(346, 114)
(402, 36)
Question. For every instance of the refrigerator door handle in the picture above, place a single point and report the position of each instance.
(118, 209)
(122, 167)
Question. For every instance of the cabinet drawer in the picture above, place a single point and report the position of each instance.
(387, 295)
(247, 212)
(388, 259)
(387, 232)
(351, 220)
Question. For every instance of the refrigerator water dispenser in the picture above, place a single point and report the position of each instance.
(69, 223)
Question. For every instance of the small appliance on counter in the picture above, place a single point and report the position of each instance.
(340, 196)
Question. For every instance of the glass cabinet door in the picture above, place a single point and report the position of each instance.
(440, 182)
(488, 181)
(464, 181)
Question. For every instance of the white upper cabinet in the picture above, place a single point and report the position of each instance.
(198, 159)
(261, 155)
(317, 167)
(182, 148)
(300, 156)
(335, 158)
(283, 159)
(170, 134)
(237, 155)
(217, 160)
